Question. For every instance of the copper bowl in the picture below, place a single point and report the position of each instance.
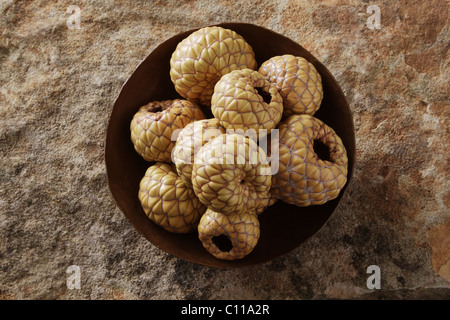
(283, 227)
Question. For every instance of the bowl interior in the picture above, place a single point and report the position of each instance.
(283, 226)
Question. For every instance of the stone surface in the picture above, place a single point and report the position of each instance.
(57, 88)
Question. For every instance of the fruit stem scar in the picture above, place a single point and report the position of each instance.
(222, 242)
(322, 150)
(267, 98)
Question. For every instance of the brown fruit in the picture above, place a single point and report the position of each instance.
(167, 201)
(190, 140)
(154, 127)
(244, 99)
(312, 162)
(241, 231)
(231, 175)
(202, 58)
(298, 82)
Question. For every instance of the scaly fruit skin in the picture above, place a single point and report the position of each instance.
(265, 203)
(238, 105)
(202, 58)
(167, 201)
(242, 230)
(189, 142)
(231, 174)
(303, 179)
(298, 82)
(153, 126)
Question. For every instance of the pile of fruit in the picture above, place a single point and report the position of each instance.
(212, 175)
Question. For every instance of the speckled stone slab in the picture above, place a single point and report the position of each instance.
(62, 66)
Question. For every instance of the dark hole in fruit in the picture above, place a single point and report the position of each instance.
(222, 242)
(242, 181)
(322, 150)
(157, 109)
(265, 95)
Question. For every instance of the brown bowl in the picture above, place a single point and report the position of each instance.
(283, 226)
